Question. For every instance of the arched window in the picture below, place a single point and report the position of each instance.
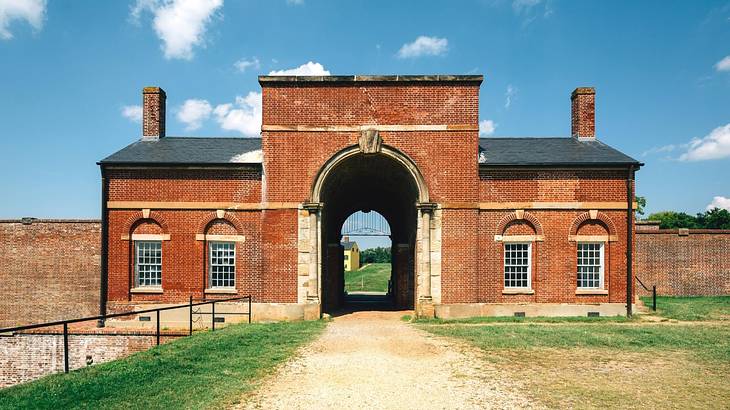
(147, 237)
(222, 243)
(518, 232)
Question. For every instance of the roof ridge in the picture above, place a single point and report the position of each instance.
(208, 138)
(524, 138)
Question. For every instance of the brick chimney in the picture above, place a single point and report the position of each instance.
(583, 116)
(153, 113)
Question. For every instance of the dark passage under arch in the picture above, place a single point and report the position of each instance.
(365, 182)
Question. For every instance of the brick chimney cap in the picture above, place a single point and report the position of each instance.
(153, 90)
(583, 91)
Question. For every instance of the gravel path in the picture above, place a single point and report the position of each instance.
(374, 360)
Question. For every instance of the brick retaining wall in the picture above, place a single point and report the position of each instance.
(25, 357)
(683, 262)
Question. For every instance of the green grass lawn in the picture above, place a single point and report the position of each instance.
(610, 362)
(371, 278)
(205, 370)
(692, 308)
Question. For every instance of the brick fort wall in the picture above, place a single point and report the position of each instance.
(692, 262)
(49, 270)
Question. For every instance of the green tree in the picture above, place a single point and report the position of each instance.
(715, 218)
(375, 255)
(674, 220)
(640, 204)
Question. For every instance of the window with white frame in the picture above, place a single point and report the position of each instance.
(222, 257)
(517, 265)
(148, 263)
(590, 265)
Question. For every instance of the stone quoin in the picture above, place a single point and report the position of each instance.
(479, 226)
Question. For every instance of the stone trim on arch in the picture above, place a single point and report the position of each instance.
(519, 215)
(145, 215)
(219, 215)
(592, 215)
(353, 150)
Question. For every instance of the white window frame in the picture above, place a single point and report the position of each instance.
(601, 269)
(138, 283)
(211, 283)
(505, 266)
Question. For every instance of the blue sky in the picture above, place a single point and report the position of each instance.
(72, 74)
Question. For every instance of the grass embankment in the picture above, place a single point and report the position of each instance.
(609, 362)
(692, 308)
(371, 278)
(206, 370)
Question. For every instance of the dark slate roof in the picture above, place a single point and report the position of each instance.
(189, 150)
(554, 151)
(564, 151)
(348, 245)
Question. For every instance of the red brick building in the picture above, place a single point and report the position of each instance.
(478, 226)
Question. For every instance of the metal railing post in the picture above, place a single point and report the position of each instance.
(158, 327)
(65, 347)
(190, 331)
(653, 297)
(212, 323)
(249, 309)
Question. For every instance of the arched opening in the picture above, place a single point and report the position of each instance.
(368, 262)
(383, 183)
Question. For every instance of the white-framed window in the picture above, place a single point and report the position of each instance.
(222, 264)
(148, 263)
(590, 265)
(518, 265)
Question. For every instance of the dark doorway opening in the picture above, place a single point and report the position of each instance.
(366, 183)
(368, 262)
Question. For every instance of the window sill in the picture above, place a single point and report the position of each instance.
(591, 292)
(222, 291)
(146, 290)
(517, 291)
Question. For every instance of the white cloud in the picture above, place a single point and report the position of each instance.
(180, 24)
(132, 112)
(32, 11)
(424, 46)
(193, 112)
(242, 65)
(487, 127)
(719, 202)
(716, 145)
(522, 6)
(723, 65)
(244, 116)
(658, 150)
(508, 95)
(311, 68)
(295, 2)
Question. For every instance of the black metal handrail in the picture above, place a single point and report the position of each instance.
(157, 311)
(653, 292)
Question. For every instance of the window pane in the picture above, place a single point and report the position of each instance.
(222, 256)
(590, 265)
(148, 263)
(516, 265)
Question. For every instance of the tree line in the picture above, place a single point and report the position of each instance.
(715, 218)
(375, 255)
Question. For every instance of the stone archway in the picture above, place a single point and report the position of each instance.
(389, 182)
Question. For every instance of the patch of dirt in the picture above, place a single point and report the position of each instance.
(595, 378)
(374, 360)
